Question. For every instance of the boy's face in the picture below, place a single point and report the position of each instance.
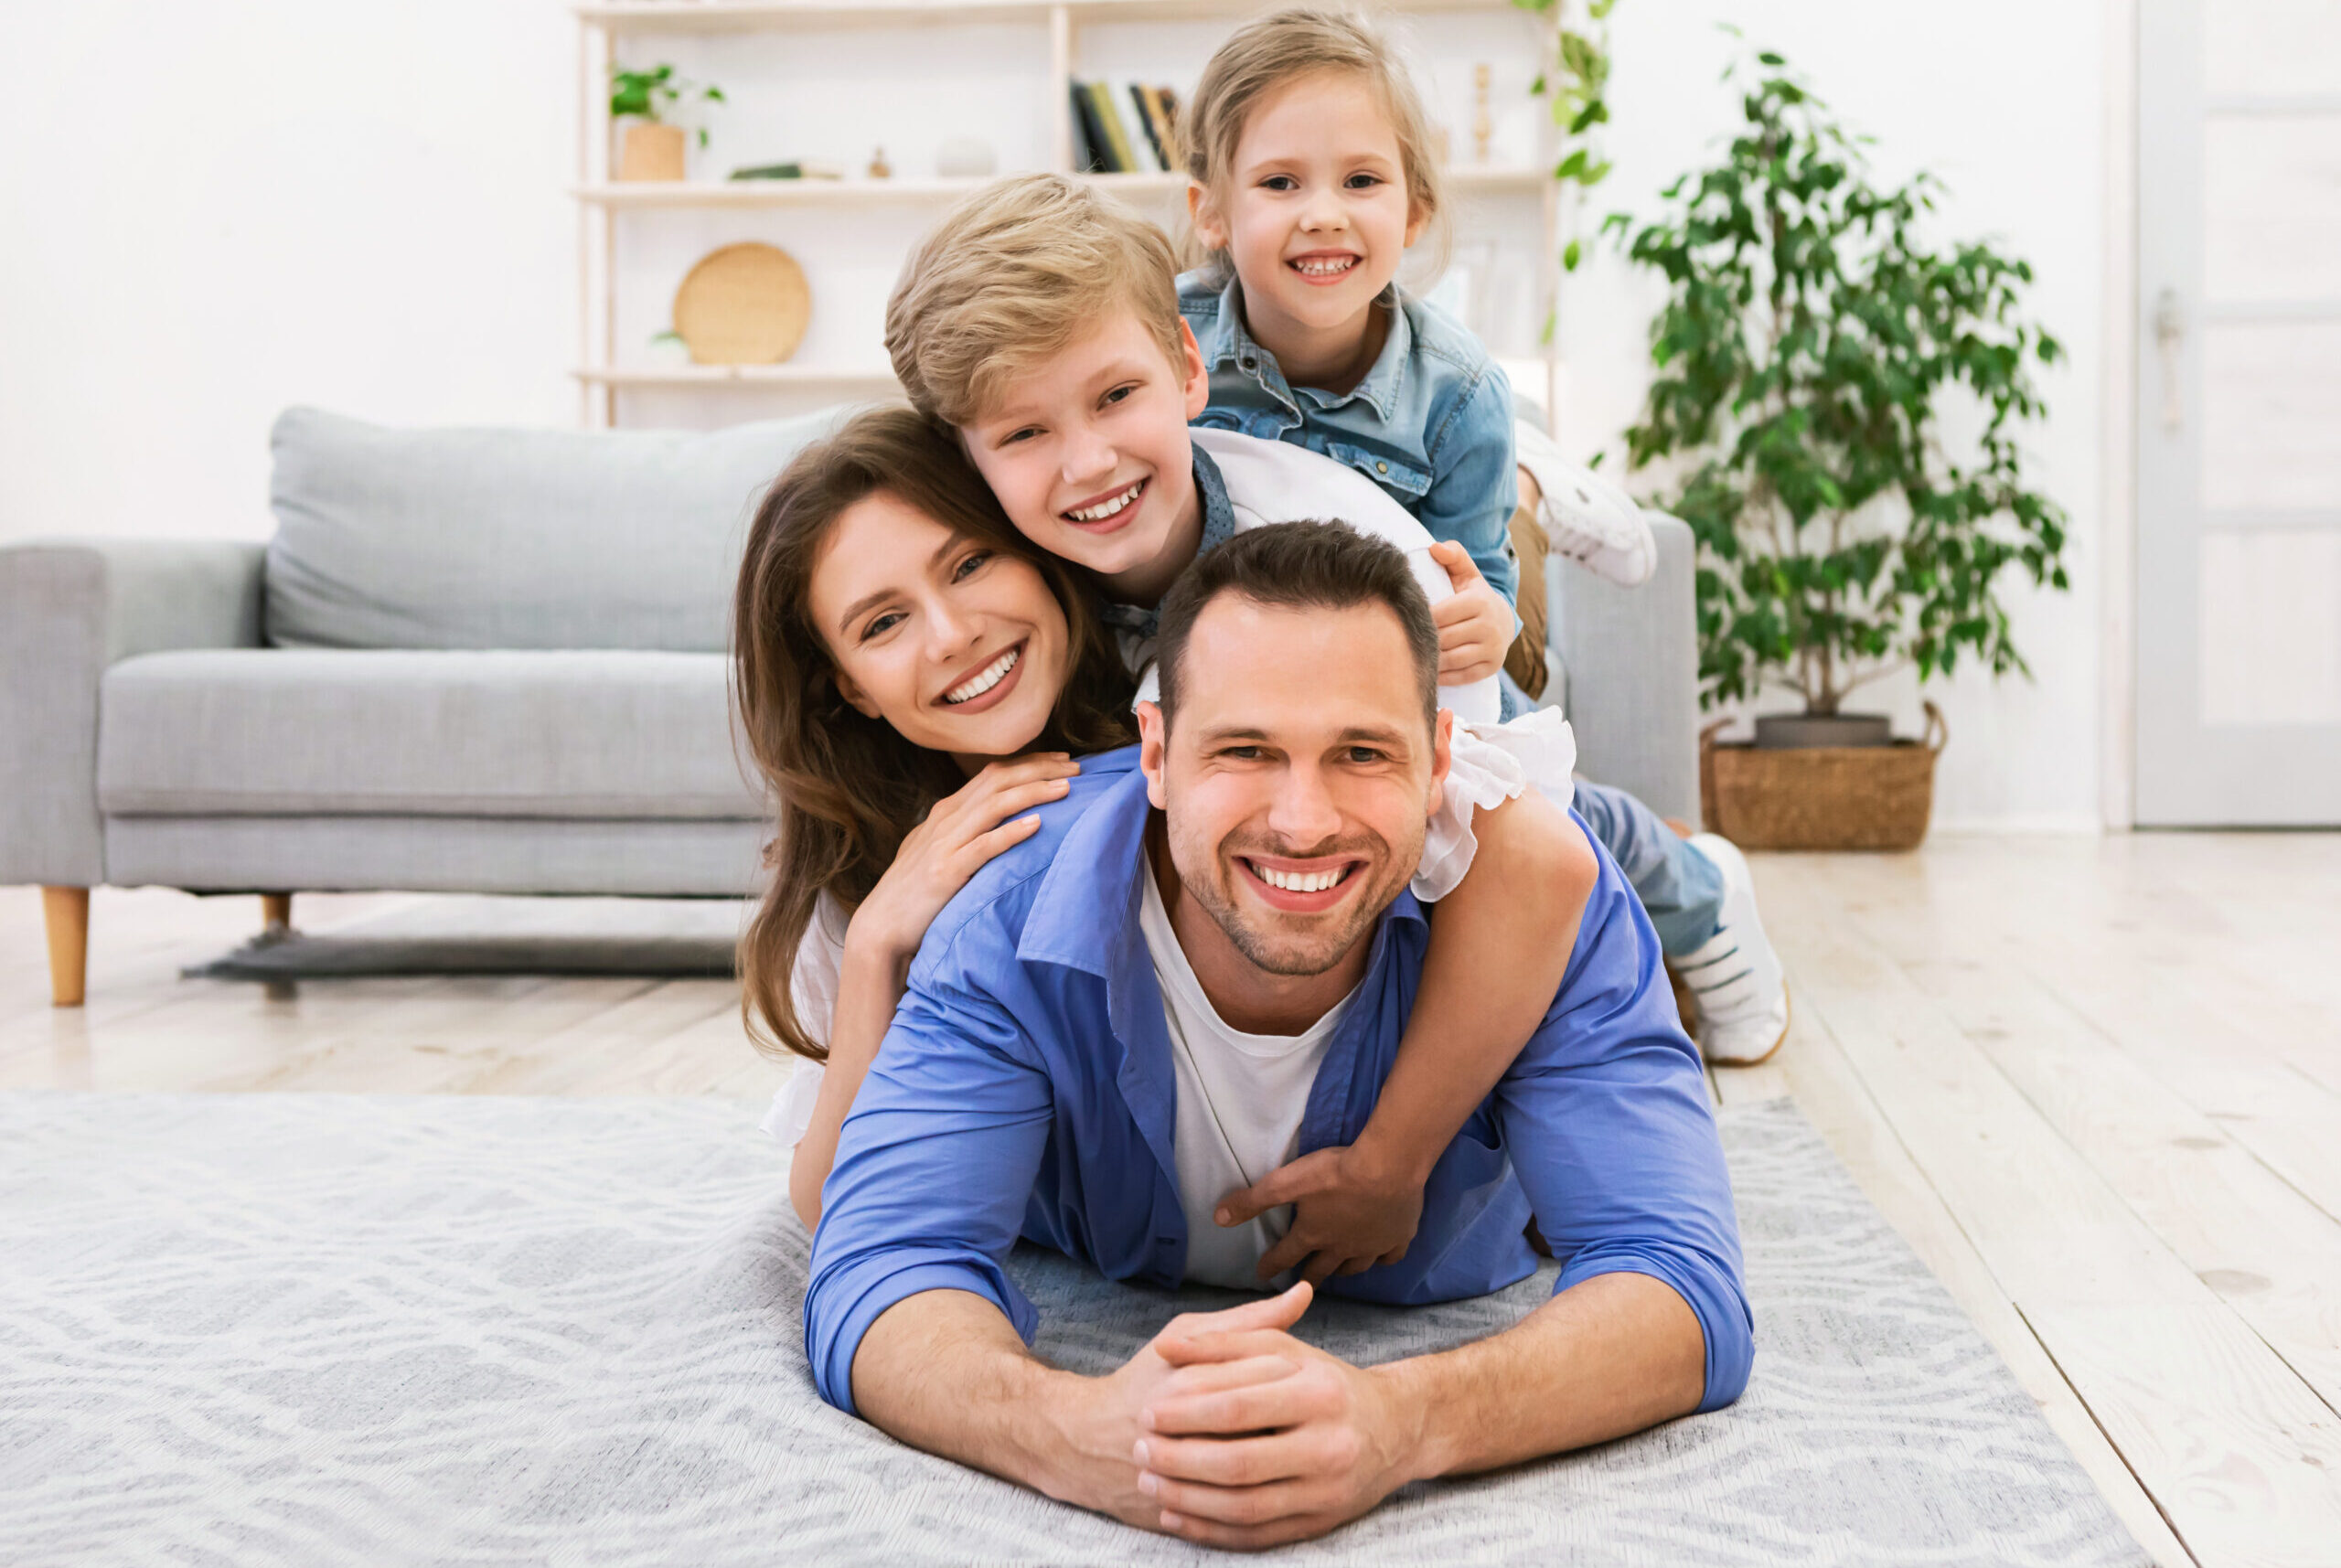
(1088, 453)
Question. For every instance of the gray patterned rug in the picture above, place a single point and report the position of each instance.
(323, 1330)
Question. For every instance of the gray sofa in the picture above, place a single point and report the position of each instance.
(492, 661)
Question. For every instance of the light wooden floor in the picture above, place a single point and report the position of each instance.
(2096, 1083)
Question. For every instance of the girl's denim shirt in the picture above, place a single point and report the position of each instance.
(1431, 422)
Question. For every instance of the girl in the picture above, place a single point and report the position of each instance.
(894, 635)
(1310, 173)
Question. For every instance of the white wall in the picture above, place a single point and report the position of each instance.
(214, 212)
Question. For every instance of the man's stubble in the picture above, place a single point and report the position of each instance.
(1296, 946)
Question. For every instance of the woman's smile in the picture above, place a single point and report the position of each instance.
(990, 686)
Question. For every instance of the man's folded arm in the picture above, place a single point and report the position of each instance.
(954, 1090)
(1606, 1120)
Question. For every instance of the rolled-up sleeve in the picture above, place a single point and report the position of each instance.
(1605, 1115)
(954, 1090)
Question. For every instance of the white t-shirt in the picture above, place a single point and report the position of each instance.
(1240, 1101)
(813, 987)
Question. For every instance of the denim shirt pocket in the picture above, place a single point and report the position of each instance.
(1404, 480)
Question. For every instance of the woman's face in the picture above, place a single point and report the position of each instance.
(960, 648)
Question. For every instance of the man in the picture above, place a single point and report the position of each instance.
(1193, 973)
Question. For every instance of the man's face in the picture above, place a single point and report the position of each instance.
(1298, 779)
(1088, 453)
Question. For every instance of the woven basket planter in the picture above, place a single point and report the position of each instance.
(1822, 797)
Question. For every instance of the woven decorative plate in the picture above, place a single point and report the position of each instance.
(745, 304)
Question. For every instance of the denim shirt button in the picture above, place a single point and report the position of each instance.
(1251, 363)
(1382, 468)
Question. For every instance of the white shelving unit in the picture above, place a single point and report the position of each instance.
(604, 371)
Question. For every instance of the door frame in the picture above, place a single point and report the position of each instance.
(2123, 326)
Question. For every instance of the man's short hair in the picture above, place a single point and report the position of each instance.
(1014, 275)
(1299, 566)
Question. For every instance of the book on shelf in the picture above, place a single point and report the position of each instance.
(1143, 146)
(1084, 143)
(1119, 154)
(1092, 155)
(1126, 127)
(1157, 105)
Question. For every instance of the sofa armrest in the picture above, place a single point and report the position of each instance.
(1630, 663)
(68, 608)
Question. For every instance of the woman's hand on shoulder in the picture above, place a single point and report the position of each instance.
(964, 831)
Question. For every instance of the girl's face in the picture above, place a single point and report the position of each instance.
(1314, 211)
(960, 648)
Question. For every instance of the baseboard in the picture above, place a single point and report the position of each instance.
(2025, 825)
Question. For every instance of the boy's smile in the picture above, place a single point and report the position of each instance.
(1106, 514)
(1089, 456)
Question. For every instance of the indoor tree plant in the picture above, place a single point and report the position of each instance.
(653, 149)
(1812, 340)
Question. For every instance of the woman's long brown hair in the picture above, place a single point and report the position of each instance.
(848, 787)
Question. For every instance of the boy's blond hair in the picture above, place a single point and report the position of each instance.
(1261, 57)
(1011, 277)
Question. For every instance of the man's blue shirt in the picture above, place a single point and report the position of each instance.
(1026, 1087)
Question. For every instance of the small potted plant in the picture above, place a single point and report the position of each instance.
(654, 148)
(1811, 341)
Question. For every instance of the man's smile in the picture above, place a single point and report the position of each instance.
(1300, 886)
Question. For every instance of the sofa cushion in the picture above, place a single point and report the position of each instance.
(512, 539)
(518, 734)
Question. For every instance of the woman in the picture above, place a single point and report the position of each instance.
(880, 578)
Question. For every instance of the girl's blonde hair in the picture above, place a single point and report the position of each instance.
(1261, 57)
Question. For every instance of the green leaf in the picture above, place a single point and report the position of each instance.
(1571, 254)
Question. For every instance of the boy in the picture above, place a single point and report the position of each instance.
(1042, 320)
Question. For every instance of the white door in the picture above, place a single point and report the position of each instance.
(2240, 414)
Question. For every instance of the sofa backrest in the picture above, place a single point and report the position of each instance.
(512, 539)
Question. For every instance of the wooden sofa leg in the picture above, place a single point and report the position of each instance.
(275, 910)
(66, 912)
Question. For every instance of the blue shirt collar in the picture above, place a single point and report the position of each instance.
(1232, 344)
(1219, 527)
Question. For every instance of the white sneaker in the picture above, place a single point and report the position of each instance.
(1735, 976)
(1589, 521)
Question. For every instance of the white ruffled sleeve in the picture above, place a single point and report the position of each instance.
(813, 987)
(1491, 763)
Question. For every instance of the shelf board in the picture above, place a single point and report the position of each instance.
(1464, 179)
(807, 376)
(734, 16)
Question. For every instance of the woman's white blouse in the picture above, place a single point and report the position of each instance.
(813, 987)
